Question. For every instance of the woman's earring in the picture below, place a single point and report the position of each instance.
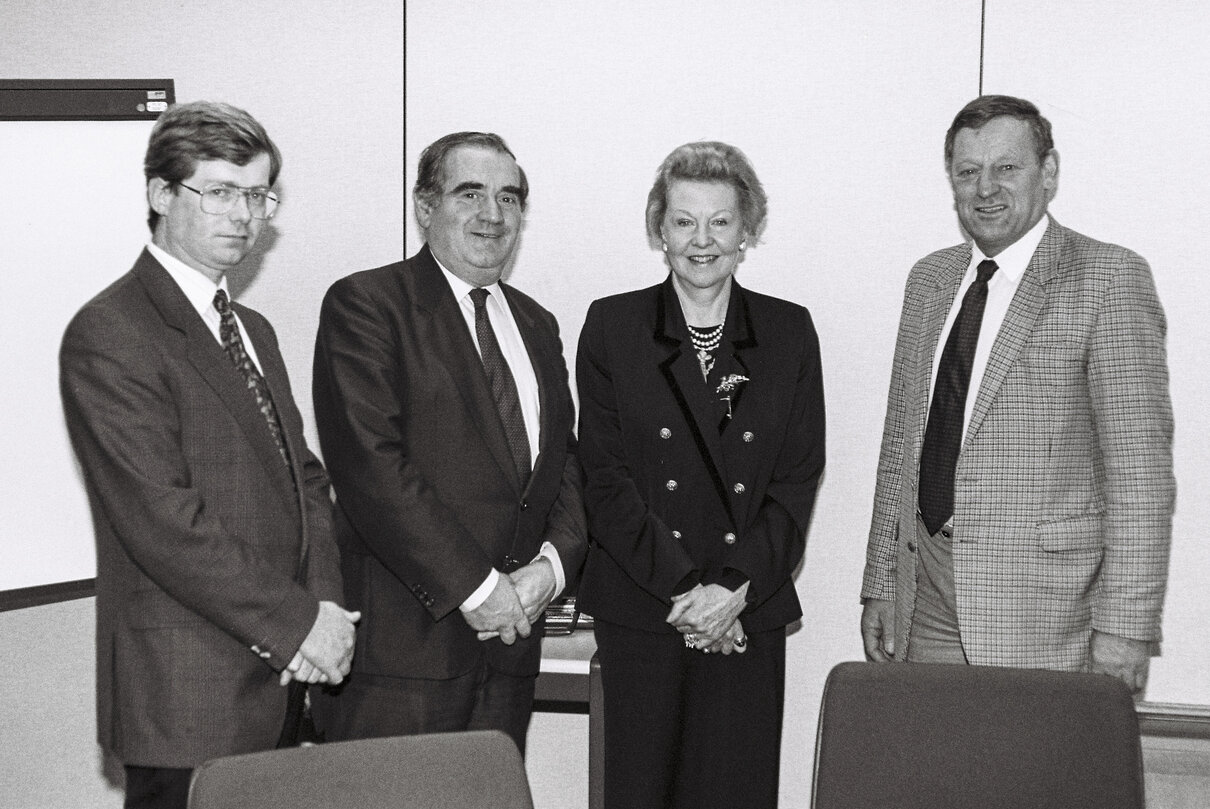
(665, 244)
(743, 245)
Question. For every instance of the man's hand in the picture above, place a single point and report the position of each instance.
(1125, 658)
(327, 652)
(500, 615)
(878, 629)
(535, 584)
(707, 611)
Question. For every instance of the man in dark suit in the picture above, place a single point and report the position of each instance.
(1023, 511)
(217, 574)
(445, 417)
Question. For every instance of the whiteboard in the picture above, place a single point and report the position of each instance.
(73, 217)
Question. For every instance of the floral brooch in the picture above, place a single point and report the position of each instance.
(728, 387)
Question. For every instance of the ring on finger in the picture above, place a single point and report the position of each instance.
(740, 643)
(690, 640)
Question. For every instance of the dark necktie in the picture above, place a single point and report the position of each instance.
(233, 344)
(943, 436)
(504, 387)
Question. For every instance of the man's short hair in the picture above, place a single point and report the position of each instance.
(984, 108)
(204, 130)
(709, 162)
(430, 172)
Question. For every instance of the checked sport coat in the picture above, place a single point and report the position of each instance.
(1064, 488)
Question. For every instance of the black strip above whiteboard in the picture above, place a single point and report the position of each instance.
(84, 99)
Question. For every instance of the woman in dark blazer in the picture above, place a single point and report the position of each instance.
(702, 439)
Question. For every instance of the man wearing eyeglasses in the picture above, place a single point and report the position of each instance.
(218, 585)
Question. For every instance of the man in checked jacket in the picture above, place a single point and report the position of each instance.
(1023, 509)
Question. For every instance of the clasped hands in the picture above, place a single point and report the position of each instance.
(516, 603)
(327, 652)
(710, 613)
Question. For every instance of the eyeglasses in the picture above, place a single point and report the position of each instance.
(219, 198)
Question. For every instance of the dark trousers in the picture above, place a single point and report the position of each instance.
(157, 787)
(482, 699)
(687, 730)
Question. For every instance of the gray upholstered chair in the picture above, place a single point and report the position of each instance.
(471, 770)
(911, 736)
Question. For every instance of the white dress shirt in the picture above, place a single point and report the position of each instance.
(200, 291)
(512, 346)
(1011, 263)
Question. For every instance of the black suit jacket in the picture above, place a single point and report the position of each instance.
(428, 497)
(676, 491)
(205, 547)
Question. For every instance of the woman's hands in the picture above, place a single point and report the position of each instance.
(708, 617)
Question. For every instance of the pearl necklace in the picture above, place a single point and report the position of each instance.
(705, 341)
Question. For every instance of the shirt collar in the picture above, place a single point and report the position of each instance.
(197, 288)
(1012, 260)
(461, 288)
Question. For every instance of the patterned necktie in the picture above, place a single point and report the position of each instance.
(504, 387)
(947, 416)
(233, 344)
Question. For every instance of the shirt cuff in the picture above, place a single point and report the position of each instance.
(476, 599)
(552, 553)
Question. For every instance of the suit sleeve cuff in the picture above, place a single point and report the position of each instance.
(733, 579)
(476, 599)
(692, 579)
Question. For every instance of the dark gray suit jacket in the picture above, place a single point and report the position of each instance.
(202, 537)
(428, 498)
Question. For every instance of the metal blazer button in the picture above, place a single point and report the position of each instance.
(738, 488)
(665, 433)
(748, 436)
(670, 485)
(729, 538)
(676, 534)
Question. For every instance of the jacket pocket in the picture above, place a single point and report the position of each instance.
(1085, 532)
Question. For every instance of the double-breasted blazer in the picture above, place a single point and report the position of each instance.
(676, 491)
(1064, 491)
(428, 499)
(208, 555)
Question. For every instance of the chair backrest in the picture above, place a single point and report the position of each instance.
(470, 770)
(908, 736)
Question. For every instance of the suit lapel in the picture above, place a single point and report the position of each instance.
(1018, 322)
(740, 336)
(450, 340)
(204, 353)
(683, 374)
